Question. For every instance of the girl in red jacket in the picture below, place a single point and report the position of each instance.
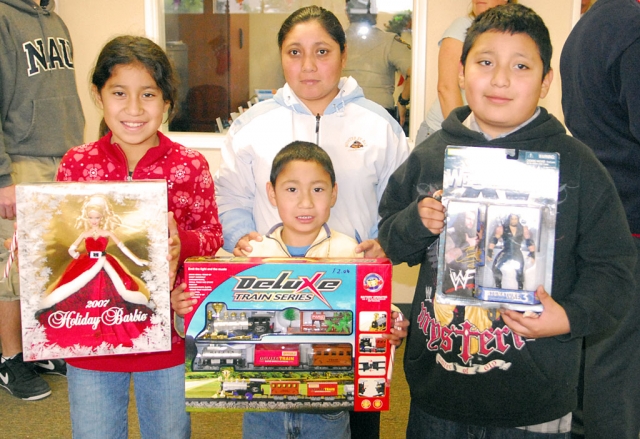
(134, 84)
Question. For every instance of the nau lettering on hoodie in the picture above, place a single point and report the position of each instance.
(53, 54)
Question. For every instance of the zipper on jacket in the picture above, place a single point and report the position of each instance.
(282, 245)
(317, 244)
(129, 174)
(318, 129)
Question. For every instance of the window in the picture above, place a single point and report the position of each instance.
(224, 58)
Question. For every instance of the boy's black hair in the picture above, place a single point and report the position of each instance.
(513, 19)
(303, 151)
(130, 49)
(324, 17)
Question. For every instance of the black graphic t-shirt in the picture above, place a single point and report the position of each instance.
(464, 363)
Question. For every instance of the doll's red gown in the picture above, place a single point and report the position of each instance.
(95, 300)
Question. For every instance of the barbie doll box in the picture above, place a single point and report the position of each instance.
(94, 276)
(288, 334)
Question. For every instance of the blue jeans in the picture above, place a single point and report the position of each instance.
(99, 402)
(422, 426)
(296, 425)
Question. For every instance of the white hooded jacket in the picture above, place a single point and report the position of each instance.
(364, 142)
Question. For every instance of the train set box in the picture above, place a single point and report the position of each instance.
(288, 334)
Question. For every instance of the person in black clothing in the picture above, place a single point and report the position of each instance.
(512, 233)
(463, 235)
(601, 104)
(40, 119)
(461, 253)
(506, 374)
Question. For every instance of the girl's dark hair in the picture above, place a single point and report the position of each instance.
(326, 18)
(303, 151)
(129, 49)
(511, 19)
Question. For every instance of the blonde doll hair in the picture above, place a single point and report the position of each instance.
(98, 203)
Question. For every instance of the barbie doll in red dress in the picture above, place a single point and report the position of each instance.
(96, 299)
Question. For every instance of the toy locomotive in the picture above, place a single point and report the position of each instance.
(291, 390)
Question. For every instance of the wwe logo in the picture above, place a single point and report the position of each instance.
(462, 280)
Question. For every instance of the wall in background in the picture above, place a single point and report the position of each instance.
(92, 26)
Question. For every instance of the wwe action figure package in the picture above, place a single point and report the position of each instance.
(498, 244)
(288, 334)
(94, 276)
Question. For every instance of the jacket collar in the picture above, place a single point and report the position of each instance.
(453, 131)
(115, 153)
(349, 91)
(276, 234)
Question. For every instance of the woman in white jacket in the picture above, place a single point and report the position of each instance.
(317, 105)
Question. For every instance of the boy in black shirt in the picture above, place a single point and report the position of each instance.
(506, 374)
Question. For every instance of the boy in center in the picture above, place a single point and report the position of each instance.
(474, 371)
(303, 188)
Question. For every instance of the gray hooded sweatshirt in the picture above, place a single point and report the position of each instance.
(40, 111)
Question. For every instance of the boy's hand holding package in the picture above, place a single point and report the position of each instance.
(243, 246)
(551, 322)
(432, 213)
(371, 249)
(398, 330)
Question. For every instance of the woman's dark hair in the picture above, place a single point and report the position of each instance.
(326, 18)
(511, 19)
(303, 151)
(129, 49)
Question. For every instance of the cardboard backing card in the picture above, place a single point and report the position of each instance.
(94, 279)
(498, 243)
(288, 334)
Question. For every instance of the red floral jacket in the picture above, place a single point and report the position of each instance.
(191, 197)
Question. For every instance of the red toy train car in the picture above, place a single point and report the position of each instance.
(274, 356)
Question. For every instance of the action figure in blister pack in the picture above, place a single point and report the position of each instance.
(509, 251)
(460, 253)
(463, 237)
(512, 233)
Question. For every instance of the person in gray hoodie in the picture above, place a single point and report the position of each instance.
(40, 119)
